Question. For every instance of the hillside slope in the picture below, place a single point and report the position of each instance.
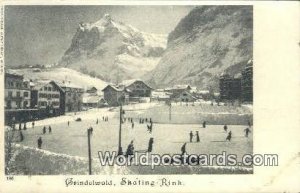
(62, 74)
(205, 43)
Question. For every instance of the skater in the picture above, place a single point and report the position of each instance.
(21, 136)
(149, 128)
(25, 127)
(150, 121)
(183, 149)
(50, 129)
(32, 124)
(130, 150)
(249, 123)
(102, 118)
(44, 130)
(40, 142)
(197, 136)
(150, 144)
(146, 120)
(132, 125)
(97, 121)
(204, 124)
(247, 131)
(92, 129)
(68, 123)
(191, 136)
(20, 126)
(229, 136)
(225, 128)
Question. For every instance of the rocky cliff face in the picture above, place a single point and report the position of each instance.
(113, 51)
(210, 40)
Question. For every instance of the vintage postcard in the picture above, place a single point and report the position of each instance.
(150, 96)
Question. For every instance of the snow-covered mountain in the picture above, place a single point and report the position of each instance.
(204, 44)
(113, 51)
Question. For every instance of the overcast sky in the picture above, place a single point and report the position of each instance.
(41, 34)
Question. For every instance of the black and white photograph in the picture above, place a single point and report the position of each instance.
(149, 96)
(128, 89)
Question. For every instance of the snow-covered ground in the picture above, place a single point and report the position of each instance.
(68, 141)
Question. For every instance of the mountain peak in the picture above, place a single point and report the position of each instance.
(107, 17)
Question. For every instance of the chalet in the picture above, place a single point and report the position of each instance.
(46, 97)
(184, 96)
(92, 90)
(73, 96)
(160, 95)
(136, 88)
(93, 101)
(180, 93)
(114, 95)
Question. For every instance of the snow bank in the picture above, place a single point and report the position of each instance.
(33, 161)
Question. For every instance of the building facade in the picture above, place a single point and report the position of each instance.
(136, 88)
(17, 92)
(230, 88)
(45, 96)
(247, 83)
(73, 97)
(114, 96)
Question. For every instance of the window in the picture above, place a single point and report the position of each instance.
(25, 94)
(18, 94)
(8, 104)
(25, 104)
(9, 93)
(49, 89)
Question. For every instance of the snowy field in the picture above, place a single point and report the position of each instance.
(168, 138)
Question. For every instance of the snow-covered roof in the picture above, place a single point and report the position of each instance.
(113, 87)
(127, 83)
(203, 91)
(38, 84)
(91, 99)
(178, 87)
(68, 84)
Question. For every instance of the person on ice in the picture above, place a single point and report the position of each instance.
(204, 124)
(68, 123)
(40, 142)
(229, 136)
(197, 136)
(150, 144)
(183, 149)
(20, 126)
(25, 127)
(191, 136)
(132, 125)
(97, 121)
(247, 131)
(44, 130)
(225, 128)
(50, 129)
(21, 136)
(130, 150)
(32, 124)
(249, 123)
